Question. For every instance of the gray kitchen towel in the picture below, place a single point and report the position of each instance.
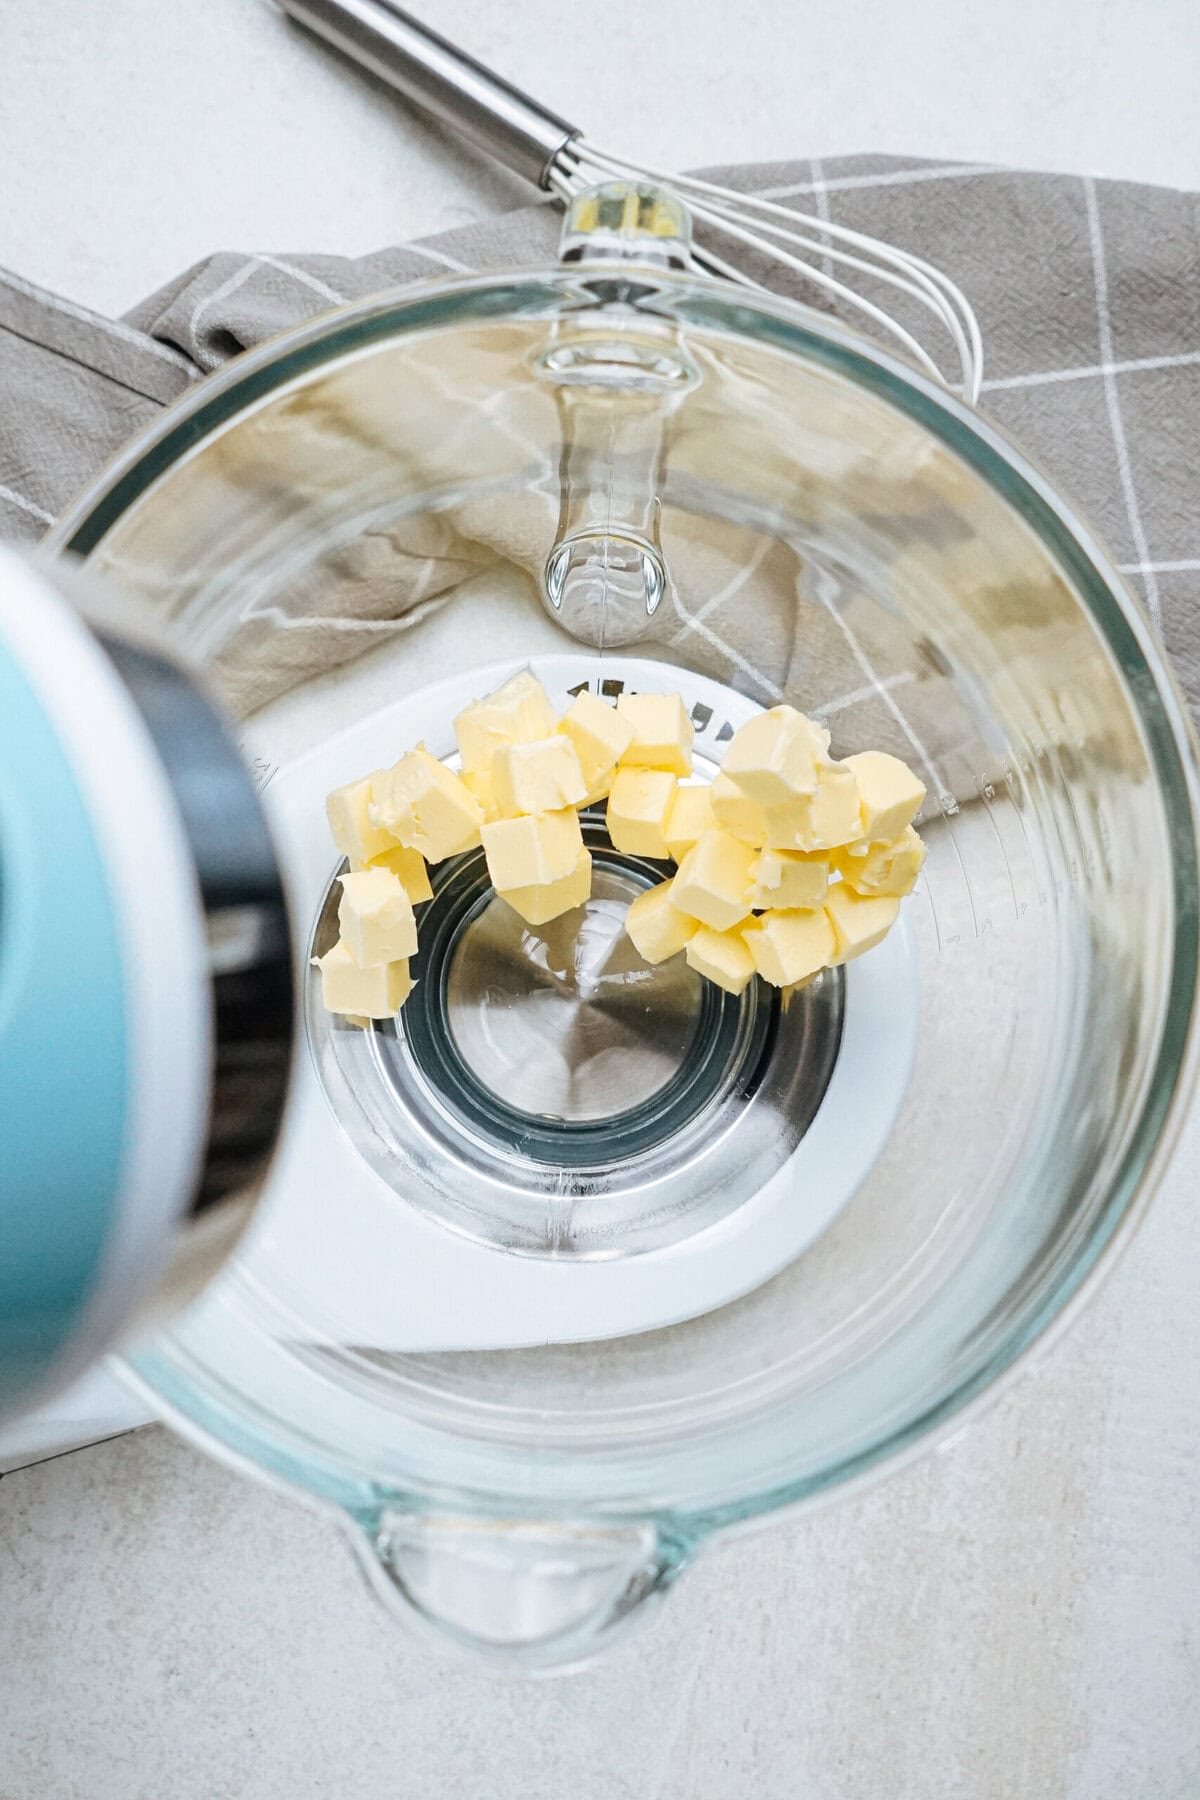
(1088, 295)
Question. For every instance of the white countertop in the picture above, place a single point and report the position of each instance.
(139, 137)
(1013, 1619)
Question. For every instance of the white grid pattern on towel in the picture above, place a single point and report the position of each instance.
(1183, 565)
(842, 184)
(25, 506)
(303, 276)
(821, 202)
(1112, 399)
(114, 327)
(1185, 359)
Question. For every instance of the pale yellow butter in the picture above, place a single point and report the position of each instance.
(374, 993)
(479, 782)
(375, 916)
(426, 807)
(408, 865)
(691, 816)
(662, 732)
(349, 812)
(532, 850)
(737, 813)
(722, 956)
(639, 805)
(860, 921)
(776, 756)
(714, 880)
(600, 736)
(830, 817)
(789, 878)
(789, 947)
(657, 928)
(541, 776)
(882, 868)
(891, 794)
(546, 900)
(515, 713)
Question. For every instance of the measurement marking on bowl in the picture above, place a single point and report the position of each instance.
(262, 773)
(702, 715)
(987, 794)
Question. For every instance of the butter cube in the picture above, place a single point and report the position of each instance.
(541, 776)
(776, 756)
(859, 921)
(376, 918)
(479, 782)
(600, 736)
(657, 928)
(349, 812)
(714, 880)
(722, 956)
(426, 807)
(736, 813)
(662, 732)
(691, 816)
(375, 993)
(789, 947)
(544, 901)
(515, 713)
(532, 850)
(827, 819)
(407, 865)
(788, 878)
(882, 868)
(639, 806)
(891, 794)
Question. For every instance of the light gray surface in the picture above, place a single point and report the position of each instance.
(139, 136)
(1014, 1617)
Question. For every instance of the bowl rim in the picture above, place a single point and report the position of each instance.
(1159, 706)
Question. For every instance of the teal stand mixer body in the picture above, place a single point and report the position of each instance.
(145, 985)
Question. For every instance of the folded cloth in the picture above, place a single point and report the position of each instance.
(1088, 295)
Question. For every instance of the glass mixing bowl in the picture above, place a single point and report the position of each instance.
(555, 1282)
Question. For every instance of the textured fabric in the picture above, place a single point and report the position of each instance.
(1088, 295)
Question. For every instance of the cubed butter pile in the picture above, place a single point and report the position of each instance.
(524, 773)
(789, 862)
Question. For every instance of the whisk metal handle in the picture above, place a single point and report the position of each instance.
(476, 104)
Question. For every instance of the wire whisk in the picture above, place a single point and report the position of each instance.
(555, 155)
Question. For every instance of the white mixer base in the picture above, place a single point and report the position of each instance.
(418, 1284)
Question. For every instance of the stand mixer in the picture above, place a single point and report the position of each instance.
(537, 1300)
